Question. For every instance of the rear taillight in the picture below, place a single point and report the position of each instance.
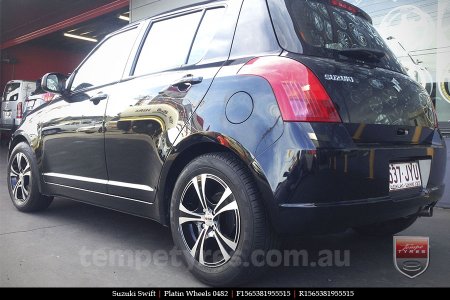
(19, 110)
(299, 93)
(48, 97)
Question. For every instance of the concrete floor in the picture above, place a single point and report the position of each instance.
(46, 249)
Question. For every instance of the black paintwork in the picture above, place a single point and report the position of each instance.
(312, 177)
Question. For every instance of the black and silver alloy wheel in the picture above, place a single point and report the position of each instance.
(23, 180)
(20, 177)
(209, 220)
(218, 220)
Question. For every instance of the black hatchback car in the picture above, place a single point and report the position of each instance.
(235, 122)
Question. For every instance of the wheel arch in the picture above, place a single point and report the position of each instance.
(195, 146)
(17, 138)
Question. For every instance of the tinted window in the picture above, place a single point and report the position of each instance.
(107, 63)
(167, 44)
(254, 33)
(205, 34)
(323, 30)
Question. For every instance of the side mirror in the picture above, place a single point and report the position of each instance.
(54, 83)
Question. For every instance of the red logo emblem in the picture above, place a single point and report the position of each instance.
(411, 255)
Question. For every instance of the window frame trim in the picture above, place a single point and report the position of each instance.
(168, 16)
(278, 51)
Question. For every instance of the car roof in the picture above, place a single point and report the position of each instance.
(185, 7)
(165, 14)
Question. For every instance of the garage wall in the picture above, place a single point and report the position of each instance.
(32, 59)
(141, 9)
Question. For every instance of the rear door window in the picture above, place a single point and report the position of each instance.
(254, 32)
(205, 34)
(167, 44)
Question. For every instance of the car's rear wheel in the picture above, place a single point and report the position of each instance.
(23, 180)
(218, 220)
(386, 228)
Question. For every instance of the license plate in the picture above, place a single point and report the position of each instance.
(404, 176)
(7, 114)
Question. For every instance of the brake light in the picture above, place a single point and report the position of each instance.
(299, 93)
(19, 110)
(344, 5)
(48, 97)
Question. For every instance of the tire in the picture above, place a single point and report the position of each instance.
(23, 180)
(386, 228)
(219, 246)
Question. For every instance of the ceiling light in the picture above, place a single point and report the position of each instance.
(74, 36)
(125, 18)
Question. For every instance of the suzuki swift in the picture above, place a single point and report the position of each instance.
(234, 123)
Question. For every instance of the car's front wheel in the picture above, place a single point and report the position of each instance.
(218, 220)
(23, 178)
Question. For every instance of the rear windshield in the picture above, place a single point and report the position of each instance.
(319, 28)
(11, 89)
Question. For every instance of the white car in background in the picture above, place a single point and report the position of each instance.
(13, 102)
(37, 98)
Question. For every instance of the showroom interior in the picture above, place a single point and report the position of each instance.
(42, 36)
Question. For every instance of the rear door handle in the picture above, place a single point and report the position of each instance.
(97, 98)
(188, 79)
(402, 131)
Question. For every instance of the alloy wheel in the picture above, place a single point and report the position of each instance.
(20, 177)
(209, 220)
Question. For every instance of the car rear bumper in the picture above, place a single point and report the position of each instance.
(318, 180)
(333, 217)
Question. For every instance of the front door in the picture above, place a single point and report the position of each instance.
(73, 130)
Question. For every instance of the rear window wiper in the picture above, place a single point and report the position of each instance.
(363, 54)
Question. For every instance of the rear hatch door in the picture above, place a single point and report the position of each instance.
(377, 101)
(376, 105)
